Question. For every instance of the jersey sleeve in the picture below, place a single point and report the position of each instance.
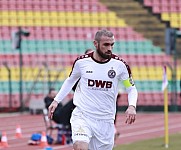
(128, 83)
(132, 95)
(69, 82)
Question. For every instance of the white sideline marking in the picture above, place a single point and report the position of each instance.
(59, 147)
(148, 131)
(150, 124)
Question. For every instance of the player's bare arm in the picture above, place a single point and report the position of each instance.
(130, 114)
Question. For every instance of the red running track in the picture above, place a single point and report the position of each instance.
(147, 125)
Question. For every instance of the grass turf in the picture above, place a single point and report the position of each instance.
(153, 144)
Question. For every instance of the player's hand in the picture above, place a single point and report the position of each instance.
(52, 108)
(130, 115)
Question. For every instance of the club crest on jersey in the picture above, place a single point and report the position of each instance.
(111, 73)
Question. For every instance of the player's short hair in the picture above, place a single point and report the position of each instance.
(101, 33)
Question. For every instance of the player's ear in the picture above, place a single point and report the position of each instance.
(95, 44)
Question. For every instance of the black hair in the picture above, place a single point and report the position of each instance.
(51, 89)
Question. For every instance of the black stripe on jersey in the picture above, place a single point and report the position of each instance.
(127, 66)
(81, 57)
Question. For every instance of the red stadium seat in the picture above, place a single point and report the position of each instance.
(156, 2)
(158, 99)
(147, 2)
(157, 9)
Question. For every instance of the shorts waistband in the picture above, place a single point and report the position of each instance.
(95, 119)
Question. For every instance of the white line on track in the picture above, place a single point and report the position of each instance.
(148, 131)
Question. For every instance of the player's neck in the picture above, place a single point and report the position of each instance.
(97, 57)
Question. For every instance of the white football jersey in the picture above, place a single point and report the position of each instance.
(97, 90)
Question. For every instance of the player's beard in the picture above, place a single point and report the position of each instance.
(104, 55)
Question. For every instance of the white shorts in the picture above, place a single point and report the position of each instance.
(99, 134)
